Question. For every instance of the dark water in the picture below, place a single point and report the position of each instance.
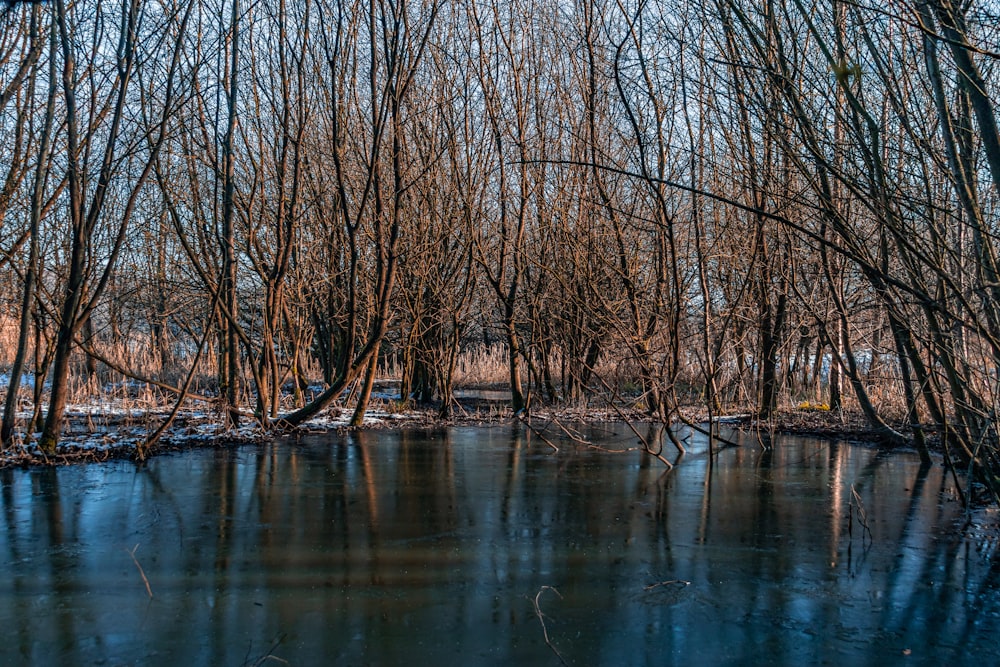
(429, 548)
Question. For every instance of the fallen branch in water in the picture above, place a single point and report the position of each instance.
(690, 423)
(267, 656)
(578, 439)
(534, 430)
(666, 583)
(575, 437)
(541, 619)
(139, 567)
(658, 454)
(862, 517)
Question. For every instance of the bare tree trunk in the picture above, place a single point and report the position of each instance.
(953, 28)
(35, 214)
(79, 304)
(229, 342)
(66, 326)
(368, 381)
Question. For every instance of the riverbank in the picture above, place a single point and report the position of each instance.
(115, 430)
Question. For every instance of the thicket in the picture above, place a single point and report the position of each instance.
(740, 205)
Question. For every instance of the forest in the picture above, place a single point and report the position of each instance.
(742, 206)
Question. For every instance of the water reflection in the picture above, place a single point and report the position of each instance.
(419, 546)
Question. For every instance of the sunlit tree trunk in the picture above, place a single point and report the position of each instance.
(35, 214)
(228, 339)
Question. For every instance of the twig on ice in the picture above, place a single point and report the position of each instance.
(139, 567)
(267, 656)
(862, 516)
(666, 583)
(541, 619)
(534, 430)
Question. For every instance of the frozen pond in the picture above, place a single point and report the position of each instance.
(431, 548)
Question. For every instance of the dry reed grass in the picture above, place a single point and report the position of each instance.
(9, 327)
(478, 367)
(482, 366)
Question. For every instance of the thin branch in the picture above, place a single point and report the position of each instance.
(541, 619)
(139, 567)
(669, 582)
(267, 656)
(862, 516)
(520, 416)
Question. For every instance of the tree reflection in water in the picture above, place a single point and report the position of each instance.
(391, 547)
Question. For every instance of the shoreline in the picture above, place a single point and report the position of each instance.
(97, 434)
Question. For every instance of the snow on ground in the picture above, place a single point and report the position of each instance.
(119, 425)
(108, 427)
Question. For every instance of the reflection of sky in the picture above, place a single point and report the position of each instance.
(422, 547)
